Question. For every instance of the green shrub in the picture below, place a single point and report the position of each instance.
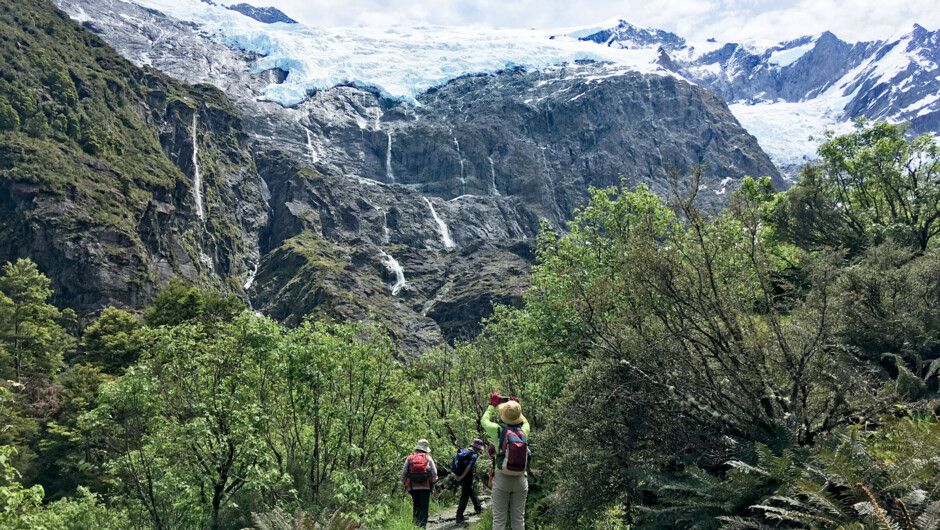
(9, 119)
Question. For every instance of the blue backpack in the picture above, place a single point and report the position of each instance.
(461, 461)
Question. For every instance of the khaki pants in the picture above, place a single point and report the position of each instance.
(509, 494)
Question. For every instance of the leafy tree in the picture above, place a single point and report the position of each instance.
(34, 342)
(891, 301)
(870, 186)
(69, 457)
(219, 418)
(186, 422)
(18, 504)
(687, 337)
(23, 102)
(113, 341)
(60, 84)
(21, 507)
(342, 412)
(180, 301)
(17, 430)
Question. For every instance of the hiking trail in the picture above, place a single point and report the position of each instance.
(447, 519)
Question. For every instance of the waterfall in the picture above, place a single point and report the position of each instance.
(313, 153)
(463, 175)
(395, 268)
(250, 279)
(265, 190)
(197, 178)
(445, 233)
(385, 225)
(388, 160)
(493, 189)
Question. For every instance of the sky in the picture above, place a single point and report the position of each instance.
(759, 21)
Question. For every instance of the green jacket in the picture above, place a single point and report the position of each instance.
(492, 428)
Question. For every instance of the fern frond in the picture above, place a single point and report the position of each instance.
(780, 514)
(739, 523)
(929, 519)
(822, 498)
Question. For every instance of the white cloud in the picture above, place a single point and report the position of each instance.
(730, 20)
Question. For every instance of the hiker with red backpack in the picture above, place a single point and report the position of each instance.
(463, 466)
(419, 475)
(510, 484)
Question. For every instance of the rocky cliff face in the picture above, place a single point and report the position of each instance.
(355, 206)
(345, 248)
(268, 15)
(116, 178)
(544, 137)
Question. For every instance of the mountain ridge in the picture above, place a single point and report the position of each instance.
(828, 82)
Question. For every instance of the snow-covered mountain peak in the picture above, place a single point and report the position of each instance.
(625, 35)
(399, 63)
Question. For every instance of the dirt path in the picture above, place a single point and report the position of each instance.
(447, 519)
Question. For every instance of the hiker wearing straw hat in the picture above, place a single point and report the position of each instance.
(419, 475)
(510, 484)
(463, 467)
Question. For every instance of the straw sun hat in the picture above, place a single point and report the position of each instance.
(510, 412)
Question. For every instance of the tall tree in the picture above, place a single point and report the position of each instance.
(874, 183)
(32, 338)
(186, 421)
(113, 341)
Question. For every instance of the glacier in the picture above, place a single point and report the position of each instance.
(400, 63)
(791, 131)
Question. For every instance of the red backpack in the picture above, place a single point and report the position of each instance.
(513, 456)
(418, 468)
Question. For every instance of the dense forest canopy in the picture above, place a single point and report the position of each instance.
(774, 364)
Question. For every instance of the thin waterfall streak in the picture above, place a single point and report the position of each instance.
(313, 153)
(463, 174)
(445, 233)
(197, 177)
(385, 226)
(493, 189)
(389, 175)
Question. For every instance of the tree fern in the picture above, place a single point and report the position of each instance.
(884, 479)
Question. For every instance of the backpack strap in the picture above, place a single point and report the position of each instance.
(503, 431)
